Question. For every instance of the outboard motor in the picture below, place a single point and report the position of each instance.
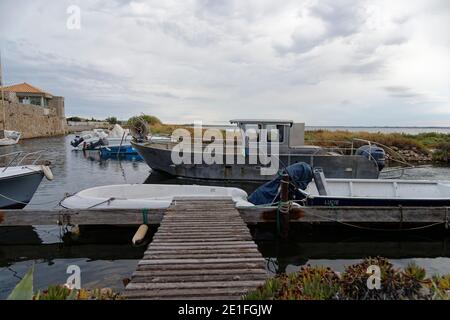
(76, 142)
(300, 174)
(95, 144)
(374, 153)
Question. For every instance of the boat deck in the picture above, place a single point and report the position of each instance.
(202, 250)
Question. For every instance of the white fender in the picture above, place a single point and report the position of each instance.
(47, 172)
(140, 234)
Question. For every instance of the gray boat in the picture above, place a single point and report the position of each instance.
(19, 182)
(365, 162)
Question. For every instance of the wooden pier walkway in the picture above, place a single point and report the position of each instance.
(202, 250)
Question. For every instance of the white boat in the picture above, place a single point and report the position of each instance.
(89, 140)
(380, 192)
(9, 137)
(19, 183)
(18, 180)
(148, 196)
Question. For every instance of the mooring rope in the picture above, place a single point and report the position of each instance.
(25, 203)
(105, 201)
(144, 216)
(376, 229)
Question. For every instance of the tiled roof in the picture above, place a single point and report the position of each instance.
(24, 88)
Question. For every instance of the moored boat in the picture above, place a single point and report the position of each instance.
(19, 183)
(8, 137)
(364, 163)
(147, 196)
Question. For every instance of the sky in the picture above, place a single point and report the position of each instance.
(327, 62)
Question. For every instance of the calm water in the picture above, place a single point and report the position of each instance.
(105, 255)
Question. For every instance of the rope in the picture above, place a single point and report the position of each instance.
(144, 216)
(106, 201)
(377, 229)
(25, 203)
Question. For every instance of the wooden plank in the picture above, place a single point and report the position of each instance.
(193, 285)
(199, 261)
(212, 244)
(230, 293)
(186, 247)
(77, 217)
(199, 278)
(202, 232)
(249, 215)
(201, 255)
(202, 243)
(200, 227)
(206, 266)
(203, 251)
(204, 240)
(194, 272)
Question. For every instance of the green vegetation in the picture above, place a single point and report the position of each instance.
(75, 119)
(318, 283)
(111, 120)
(442, 153)
(155, 125)
(437, 144)
(24, 291)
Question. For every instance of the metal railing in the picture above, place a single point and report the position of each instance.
(18, 159)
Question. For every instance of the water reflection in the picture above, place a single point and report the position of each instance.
(337, 247)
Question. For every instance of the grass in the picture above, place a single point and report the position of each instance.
(422, 142)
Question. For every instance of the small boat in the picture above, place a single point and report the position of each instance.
(109, 151)
(313, 189)
(19, 183)
(8, 137)
(95, 139)
(148, 196)
(379, 192)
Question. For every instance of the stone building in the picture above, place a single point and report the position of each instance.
(32, 111)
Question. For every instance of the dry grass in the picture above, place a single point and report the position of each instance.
(420, 142)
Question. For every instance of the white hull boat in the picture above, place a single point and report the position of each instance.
(19, 183)
(148, 196)
(8, 137)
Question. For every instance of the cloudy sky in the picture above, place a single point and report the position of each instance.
(330, 62)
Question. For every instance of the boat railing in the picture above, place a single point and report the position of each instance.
(19, 157)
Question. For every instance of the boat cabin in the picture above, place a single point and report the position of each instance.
(289, 134)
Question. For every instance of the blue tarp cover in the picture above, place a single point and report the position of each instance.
(301, 175)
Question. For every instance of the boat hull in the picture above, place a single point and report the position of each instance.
(375, 202)
(20, 188)
(351, 167)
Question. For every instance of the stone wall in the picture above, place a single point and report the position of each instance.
(35, 121)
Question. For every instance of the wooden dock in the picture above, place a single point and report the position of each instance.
(202, 250)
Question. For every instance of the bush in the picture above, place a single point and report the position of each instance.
(442, 153)
(111, 120)
(320, 283)
(151, 120)
(75, 119)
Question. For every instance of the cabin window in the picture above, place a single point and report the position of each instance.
(275, 133)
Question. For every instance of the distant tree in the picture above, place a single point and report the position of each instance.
(75, 119)
(111, 120)
(151, 120)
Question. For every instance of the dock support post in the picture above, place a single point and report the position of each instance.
(284, 207)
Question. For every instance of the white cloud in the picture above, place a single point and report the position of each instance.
(323, 62)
